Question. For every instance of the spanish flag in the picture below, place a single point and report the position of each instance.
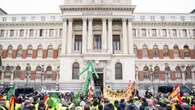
(11, 103)
(175, 93)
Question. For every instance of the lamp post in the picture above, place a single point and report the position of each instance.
(58, 71)
(152, 78)
(28, 71)
(42, 71)
(183, 73)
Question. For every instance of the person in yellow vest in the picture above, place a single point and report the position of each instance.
(3, 105)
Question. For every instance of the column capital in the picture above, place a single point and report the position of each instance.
(124, 19)
(90, 19)
(64, 19)
(130, 19)
(84, 19)
(104, 19)
(109, 19)
(70, 19)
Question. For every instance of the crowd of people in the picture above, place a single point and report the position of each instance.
(68, 101)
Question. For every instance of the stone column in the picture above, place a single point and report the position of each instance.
(125, 44)
(64, 37)
(90, 34)
(110, 35)
(104, 34)
(84, 37)
(130, 36)
(69, 47)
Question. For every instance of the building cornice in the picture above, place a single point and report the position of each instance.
(31, 23)
(163, 23)
(97, 7)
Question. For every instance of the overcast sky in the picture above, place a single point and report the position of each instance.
(52, 6)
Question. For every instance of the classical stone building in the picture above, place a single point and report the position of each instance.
(50, 49)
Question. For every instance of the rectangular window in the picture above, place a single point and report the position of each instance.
(13, 19)
(143, 32)
(192, 18)
(2, 32)
(193, 32)
(142, 18)
(41, 32)
(116, 42)
(154, 32)
(184, 32)
(33, 18)
(164, 32)
(42, 18)
(162, 18)
(134, 32)
(31, 33)
(78, 43)
(51, 32)
(152, 18)
(182, 18)
(97, 42)
(173, 18)
(21, 32)
(60, 34)
(52, 18)
(174, 32)
(11, 33)
(4, 19)
(23, 19)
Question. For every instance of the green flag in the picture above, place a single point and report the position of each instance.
(0, 61)
(76, 99)
(11, 91)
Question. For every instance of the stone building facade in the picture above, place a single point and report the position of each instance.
(49, 50)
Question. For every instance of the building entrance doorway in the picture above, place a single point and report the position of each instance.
(99, 83)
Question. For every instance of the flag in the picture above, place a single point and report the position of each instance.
(0, 61)
(77, 99)
(175, 92)
(91, 89)
(11, 92)
(11, 103)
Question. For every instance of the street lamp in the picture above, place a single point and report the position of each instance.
(152, 78)
(28, 71)
(58, 71)
(42, 71)
(167, 72)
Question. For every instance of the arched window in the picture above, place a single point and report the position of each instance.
(178, 72)
(40, 51)
(17, 72)
(50, 51)
(49, 68)
(145, 50)
(9, 51)
(155, 51)
(118, 71)
(75, 70)
(188, 72)
(1, 50)
(186, 51)
(167, 71)
(146, 72)
(176, 50)
(156, 72)
(165, 51)
(29, 50)
(135, 49)
(19, 51)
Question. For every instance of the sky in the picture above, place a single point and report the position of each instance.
(52, 6)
